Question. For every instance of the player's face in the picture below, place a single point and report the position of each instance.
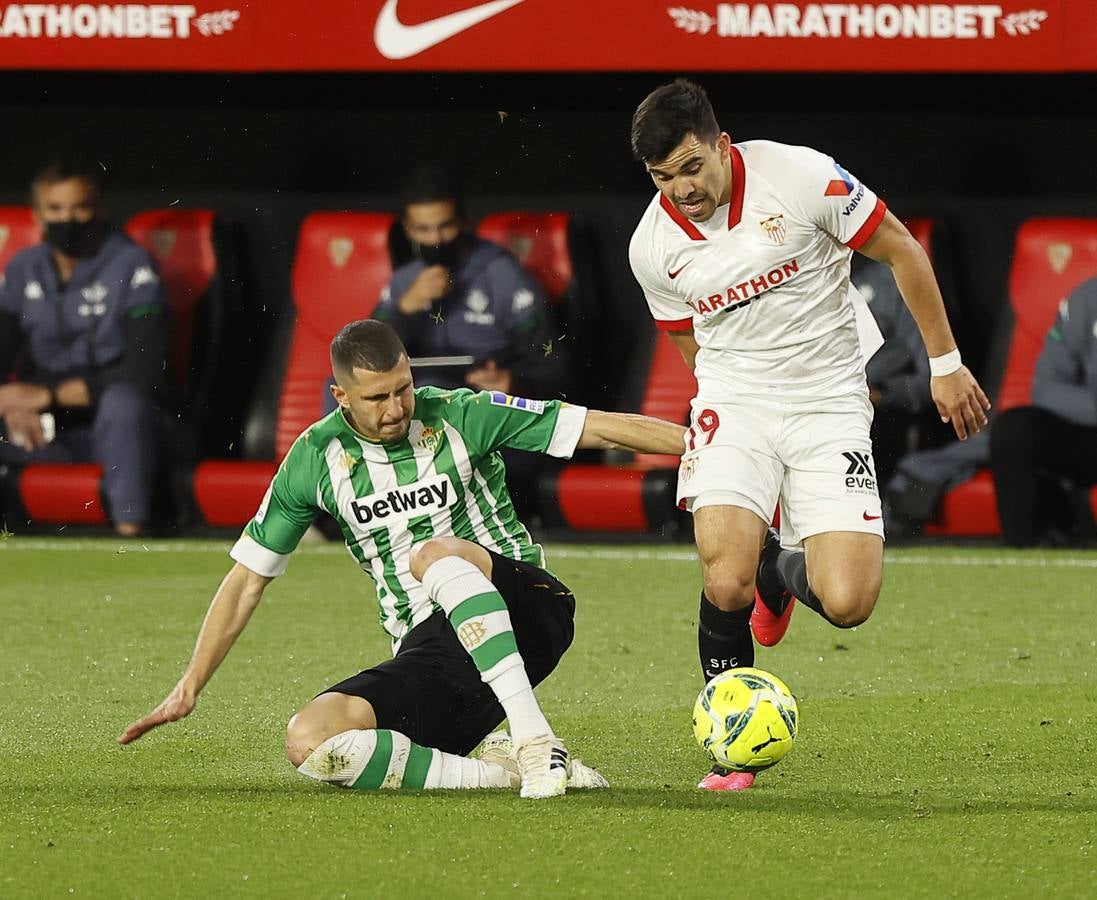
(63, 201)
(432, 224)
(695, 176)
(379, 405)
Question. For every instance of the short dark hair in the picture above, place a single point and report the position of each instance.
(62, 170)
(433, 184)
(366, 344)
(667, 115)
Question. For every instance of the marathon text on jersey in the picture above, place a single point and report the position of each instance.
(421, 498)
(739, 295)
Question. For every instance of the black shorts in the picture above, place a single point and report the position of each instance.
(431, 690)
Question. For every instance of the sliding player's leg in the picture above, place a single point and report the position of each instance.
(461, 578)
(336, 739)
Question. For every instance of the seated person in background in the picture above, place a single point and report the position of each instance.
(1033, 449)
(898, 373)
(464, 296)
(84, 330)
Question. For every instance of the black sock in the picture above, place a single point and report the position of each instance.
(724, 640)
(793, 573)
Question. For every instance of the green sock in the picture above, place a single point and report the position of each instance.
(370, 759)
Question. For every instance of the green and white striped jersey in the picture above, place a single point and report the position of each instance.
(445, 478)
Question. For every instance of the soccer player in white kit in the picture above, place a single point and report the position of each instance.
(743, 256)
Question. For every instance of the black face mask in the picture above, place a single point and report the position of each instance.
(72, 238)
(448, 254)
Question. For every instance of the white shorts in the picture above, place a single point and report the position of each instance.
(815, 462)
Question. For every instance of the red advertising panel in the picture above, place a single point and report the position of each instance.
(552, 35)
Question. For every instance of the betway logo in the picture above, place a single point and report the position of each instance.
(395, 40)
(854, 20)
(737, 296)
(422, 498)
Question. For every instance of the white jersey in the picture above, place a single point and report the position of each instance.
(764, 283)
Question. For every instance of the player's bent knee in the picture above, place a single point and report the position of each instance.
(728, 591)
(326, 716)
(424, 555)
(848, 609)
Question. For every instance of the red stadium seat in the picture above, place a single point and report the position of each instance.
(181, 242)
(1051, 257)
(539, 241)
(340, 267)
(18, 230)
(556, 249)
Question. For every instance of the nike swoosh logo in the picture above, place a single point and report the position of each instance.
(395, 40)
(869, 518)
(678, 271)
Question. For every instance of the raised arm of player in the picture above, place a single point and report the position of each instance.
(228, 613)
(629, 431)
(958, 396)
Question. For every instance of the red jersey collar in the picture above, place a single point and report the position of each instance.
(735, 207)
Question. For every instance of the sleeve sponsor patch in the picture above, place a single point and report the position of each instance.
(498, 398)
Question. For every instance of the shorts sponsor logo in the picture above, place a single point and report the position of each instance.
(498, 398)
(860, 479)
(422, 498)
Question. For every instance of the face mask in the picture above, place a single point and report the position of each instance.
(448, 254)
(74, 238)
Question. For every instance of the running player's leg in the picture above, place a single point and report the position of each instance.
(335, 738)
(728, 539)
(838, 575)
(457, 576)
(830, 504)
(728, 542)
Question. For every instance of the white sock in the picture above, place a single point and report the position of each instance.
(481, 620)
(369, 759)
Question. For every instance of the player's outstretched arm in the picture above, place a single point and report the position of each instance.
(629, 431)
(228, 613)
(957, 395)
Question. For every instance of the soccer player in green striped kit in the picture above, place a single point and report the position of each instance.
(414, 478)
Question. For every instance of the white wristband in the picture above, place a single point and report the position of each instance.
(945, 365)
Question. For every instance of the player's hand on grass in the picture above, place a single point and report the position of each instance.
(176, 705)
(960, 401)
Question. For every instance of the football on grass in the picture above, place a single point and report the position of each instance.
(745, 719)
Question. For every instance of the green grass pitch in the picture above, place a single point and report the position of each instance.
(947, 748)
